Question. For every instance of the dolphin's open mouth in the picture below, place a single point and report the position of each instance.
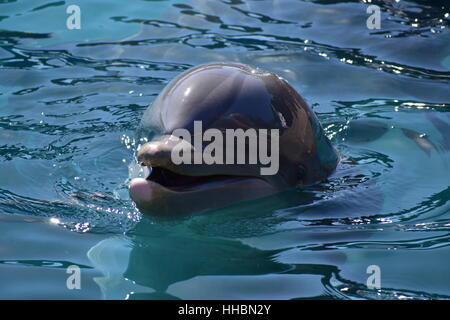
(165, 192)
(179, 182)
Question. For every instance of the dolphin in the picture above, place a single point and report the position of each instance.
(226, 96)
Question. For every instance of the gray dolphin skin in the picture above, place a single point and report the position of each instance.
(227, 96)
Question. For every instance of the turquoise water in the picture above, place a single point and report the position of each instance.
(70, 101)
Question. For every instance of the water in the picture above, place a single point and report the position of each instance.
(70, 101)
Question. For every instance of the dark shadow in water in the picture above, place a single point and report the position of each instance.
(165, 253)
(159, 260)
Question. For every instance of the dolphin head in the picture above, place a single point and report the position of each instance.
(206, 105)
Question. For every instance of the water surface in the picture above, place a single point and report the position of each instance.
(70, 101)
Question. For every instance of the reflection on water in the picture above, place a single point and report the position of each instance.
(70, 102)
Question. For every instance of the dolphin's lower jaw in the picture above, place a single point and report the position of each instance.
(188, 195)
